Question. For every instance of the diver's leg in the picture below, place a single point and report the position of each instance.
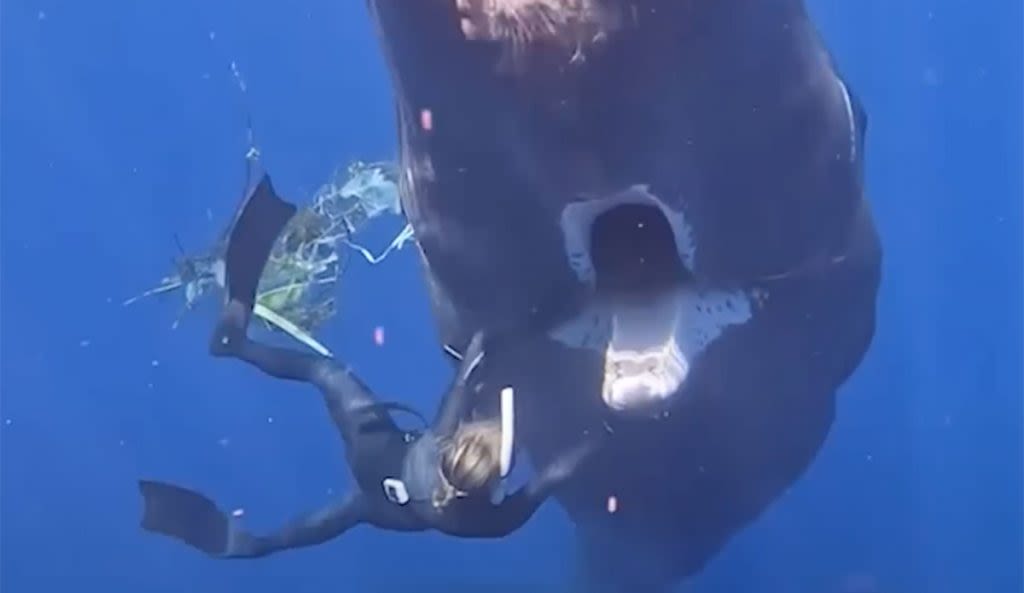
(350, 402)
(195, 520)
(252, 238)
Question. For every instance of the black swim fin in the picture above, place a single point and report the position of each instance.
(262, 218)
(184, 515)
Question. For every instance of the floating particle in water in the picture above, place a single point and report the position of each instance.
(613, 504)
(378, 335)
(238, 512)
(155, 363)
(270, 419)
(426, 120)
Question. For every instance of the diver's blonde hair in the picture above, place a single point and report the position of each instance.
(470, 460)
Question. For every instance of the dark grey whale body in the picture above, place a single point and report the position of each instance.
(582, 175)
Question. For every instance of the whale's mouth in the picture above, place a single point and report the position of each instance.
(647, 317)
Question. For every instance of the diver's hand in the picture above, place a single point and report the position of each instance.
(565, 464)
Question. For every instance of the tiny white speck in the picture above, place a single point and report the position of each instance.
(7, 422)
(270, 419)
(237, 512)
(213, 35)
(155, 362)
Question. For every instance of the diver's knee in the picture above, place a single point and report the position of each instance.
(328, 375)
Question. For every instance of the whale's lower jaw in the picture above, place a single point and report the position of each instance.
(647, 318)
(643, 364)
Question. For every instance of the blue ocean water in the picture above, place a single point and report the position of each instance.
(121, 125)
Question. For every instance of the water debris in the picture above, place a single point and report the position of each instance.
(378, 335)
(296, 294)
(238, 76)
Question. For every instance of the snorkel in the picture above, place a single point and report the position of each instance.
(508, 423)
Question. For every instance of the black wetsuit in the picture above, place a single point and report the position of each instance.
(377, 449)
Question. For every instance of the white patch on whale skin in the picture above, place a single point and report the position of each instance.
(851, 120)
(650, 349)
(526, 21)
(578, 218)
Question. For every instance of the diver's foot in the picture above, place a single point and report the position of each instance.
(230, 331)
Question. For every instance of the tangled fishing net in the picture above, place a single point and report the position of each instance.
(297, 290)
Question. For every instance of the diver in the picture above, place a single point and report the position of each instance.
(448, 477)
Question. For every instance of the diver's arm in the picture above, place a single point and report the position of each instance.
(457, 401)
(513, 512)
(561, 469)
(517, 508)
